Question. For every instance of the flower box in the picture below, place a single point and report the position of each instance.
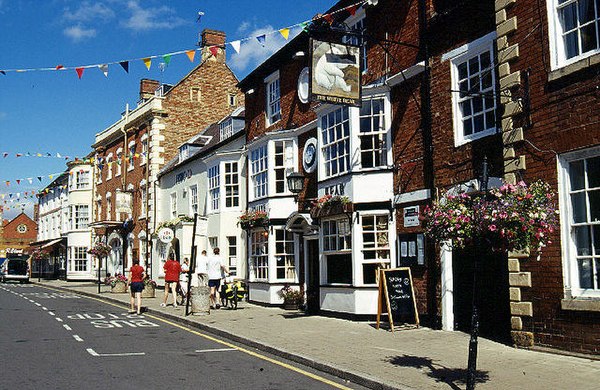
(331, 205)
(118, 287)
(149, 291)
(252, 219)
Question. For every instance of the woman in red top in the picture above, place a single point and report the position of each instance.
(136, 285)
(172, 270)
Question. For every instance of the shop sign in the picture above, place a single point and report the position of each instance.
(166, 235)
(411, 216)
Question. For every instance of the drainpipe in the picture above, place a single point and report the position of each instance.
(124, 181)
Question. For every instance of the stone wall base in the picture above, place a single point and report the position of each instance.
(522, 339)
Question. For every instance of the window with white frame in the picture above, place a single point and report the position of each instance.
(184, 152)
(193, 199)
(99, 209)
(273, 96)
(575, 25)
(119, 161)
(144, 153)
(143, 199)
(79, 258)
(376, 246)
(232, 187)
(337, 248)
(580, 194)
(173, 204)
(79, 216)
(213, 242)
(474, 92)
(226, 129)
(259, 173)
(108, 206)
(232, 255)
(109, 164)
(335, 146)
(373, 134)
(214, 191)
(358, 27)
(131, 158)
(283, 165)
(259, 254)
(284, 255)
(143, 249)
(82, 180)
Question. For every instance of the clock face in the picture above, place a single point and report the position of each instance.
(309, 157)
(22, 228)
(309, 154)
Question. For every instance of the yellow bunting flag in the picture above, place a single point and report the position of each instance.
(147, 62)
(285, 33)
(191, 54)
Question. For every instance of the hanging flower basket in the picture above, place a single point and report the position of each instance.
(100, 250)
(330, 205)
(253, 218)
(509, 218)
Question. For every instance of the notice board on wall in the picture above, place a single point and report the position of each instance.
(397, 297)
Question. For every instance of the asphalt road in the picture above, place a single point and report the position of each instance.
(55, 340)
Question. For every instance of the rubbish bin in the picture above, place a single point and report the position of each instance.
(200, 296)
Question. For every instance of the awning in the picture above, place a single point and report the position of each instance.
(105, 224)
(301, 223)
(51, 243)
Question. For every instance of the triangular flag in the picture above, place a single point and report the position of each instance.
(167, 59)
(5, 154)
(58, 155)
(236, 46)
(18, 181)
(79, 72)
(147, 62)
(19, 154)
(328, 18)
(39, 154)
(125, 65)
(261, 39)
(104, 69)
(3, 72)
(59, 67)
(285, 33)
(30, 180)
(50, 176)
(39, 178)
(191, 54)
(352, 9)
(7, 183)
(213, 50)
(304, 26)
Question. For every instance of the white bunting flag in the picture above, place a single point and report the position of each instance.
(236, 46)
(104, 69)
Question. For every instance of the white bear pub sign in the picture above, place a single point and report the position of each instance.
(335, 73)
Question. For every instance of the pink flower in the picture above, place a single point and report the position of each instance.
(492, 228)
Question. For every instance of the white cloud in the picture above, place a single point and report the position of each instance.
(252, 53)
(88, 12)
(142, 19)
(78, 33)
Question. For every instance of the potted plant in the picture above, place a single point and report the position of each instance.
(508, 218)
(292, 299)
(253, 218)
(100, 250)
(117, 283)
(149, 290)
(329, 205)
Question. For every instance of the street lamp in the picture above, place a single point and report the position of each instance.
(295, 182)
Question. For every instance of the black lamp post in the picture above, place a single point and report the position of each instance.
(295, 182)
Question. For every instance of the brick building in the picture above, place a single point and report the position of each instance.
(16, 235)
(131, 152)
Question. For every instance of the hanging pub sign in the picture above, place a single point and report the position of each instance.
(335, 75)
(124, 200)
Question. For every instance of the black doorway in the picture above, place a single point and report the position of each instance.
(314, 277)
(493, 293)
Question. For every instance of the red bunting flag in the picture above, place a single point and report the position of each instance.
(18, 181)
(213, 50)
(59, 67)
(79, 72)
(328, 18)
(19, 154)
(352, 9)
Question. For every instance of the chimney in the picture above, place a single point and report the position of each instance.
(216, 39)
(147, 88)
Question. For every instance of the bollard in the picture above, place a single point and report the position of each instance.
(200, 296)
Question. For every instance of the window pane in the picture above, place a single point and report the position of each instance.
(582, 241)
(576, 175)
(571, 46)
(568, 17)
(588, 38)
(594, 197)
(466, 108)
(462, 71)
(586, 11)
(478, 123)
(579, 207)
(593, 172)
(596, 232)
(585, 273)
(369, 273)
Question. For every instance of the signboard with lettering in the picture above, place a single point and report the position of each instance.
(124, 201)
(397, 297)
(165, 235)
(411, 216)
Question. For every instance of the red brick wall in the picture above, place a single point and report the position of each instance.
(565, 117)
(11, 238)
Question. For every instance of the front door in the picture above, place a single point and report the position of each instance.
(492, 292)
(314, 277)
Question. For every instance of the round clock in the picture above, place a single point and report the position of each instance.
(309, 157)
(22, 228)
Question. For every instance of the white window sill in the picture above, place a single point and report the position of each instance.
(475, 137)
(580, 304)
(574, 67)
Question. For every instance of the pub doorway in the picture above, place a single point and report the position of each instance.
(313, 281)
(493, 293)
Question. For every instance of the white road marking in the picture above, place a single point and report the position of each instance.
(59, 319)
(216, 350)
(37, 304)
(67, 327)
(43, 308)
(94, 353)
(51, 313)
(77, 338)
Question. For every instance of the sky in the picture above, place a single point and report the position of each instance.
(55, 112)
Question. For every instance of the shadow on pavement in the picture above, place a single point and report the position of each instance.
(451, 376)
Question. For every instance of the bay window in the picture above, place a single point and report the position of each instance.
(259, 254)
(284, 255)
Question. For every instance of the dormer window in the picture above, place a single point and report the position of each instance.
(226, 128)
(184, 152)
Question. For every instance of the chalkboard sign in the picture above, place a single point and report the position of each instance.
(397, 296)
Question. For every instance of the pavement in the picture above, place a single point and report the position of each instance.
(409, 358)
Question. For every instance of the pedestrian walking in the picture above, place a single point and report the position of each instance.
(136, 285)
(172, 270)
(202, 269)
(183, 277)
(215, 268)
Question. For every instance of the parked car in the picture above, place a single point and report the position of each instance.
(14, 269)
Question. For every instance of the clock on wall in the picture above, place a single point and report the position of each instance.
(309, 157)
(22, 228)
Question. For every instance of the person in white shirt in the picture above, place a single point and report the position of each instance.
(183, 276)
(215, 265)
(202, 269)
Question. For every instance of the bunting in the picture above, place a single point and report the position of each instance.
(236, 45)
